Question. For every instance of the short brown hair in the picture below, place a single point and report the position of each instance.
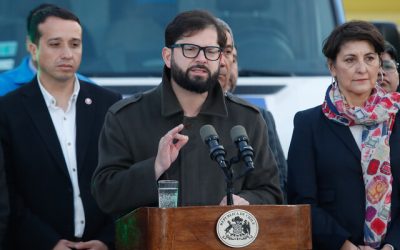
(190, 22)
(352, 31)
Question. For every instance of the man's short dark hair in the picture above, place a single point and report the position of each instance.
(34, 10)
(190, 22)
(225, 26)
(39, 15)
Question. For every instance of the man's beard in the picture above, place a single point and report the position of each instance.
(196, 84)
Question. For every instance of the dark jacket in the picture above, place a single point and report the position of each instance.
(276, 148)
(41, 194)
(324, 170)
(4, 204)
(125, 178)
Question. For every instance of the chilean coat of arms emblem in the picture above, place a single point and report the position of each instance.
(237, 228)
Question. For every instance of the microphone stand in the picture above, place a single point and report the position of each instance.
(217, 153)
(229, 178)
(229, 184)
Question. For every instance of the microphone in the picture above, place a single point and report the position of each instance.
(217, 151)
(246, 153)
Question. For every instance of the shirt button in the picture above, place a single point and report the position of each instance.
(82, 222)
(74, 169)
(65, 118)
(69, 144)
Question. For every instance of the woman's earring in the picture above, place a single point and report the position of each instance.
(334, 81)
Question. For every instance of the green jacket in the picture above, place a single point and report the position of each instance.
(125, 177)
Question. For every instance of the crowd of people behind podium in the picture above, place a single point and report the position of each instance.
(75, 156)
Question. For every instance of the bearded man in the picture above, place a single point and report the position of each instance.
(155, 135)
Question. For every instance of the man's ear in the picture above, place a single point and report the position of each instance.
(167, 55)
(27, 42)
(33, 50)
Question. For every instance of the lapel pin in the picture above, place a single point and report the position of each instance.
(88, 101)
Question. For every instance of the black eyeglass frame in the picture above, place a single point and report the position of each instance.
(182, 45)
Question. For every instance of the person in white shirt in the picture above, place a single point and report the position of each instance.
(49, 131)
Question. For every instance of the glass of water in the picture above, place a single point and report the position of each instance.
(167, 193)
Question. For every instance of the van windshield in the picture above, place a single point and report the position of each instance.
(125, 37)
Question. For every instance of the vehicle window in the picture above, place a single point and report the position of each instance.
(125, 37)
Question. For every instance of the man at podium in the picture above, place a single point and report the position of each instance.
(155, 135)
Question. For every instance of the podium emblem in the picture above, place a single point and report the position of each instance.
(237, 228)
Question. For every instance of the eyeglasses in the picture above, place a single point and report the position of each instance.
(389, 66)
(189, 50)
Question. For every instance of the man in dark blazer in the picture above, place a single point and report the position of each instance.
(228, 76)
(49, 131)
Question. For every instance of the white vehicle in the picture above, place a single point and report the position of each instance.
(279, 46)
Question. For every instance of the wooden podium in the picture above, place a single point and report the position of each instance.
(192, 228)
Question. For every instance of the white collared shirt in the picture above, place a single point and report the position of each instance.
(65, 125)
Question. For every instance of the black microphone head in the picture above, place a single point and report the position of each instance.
(206, 131)
(238, 131)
